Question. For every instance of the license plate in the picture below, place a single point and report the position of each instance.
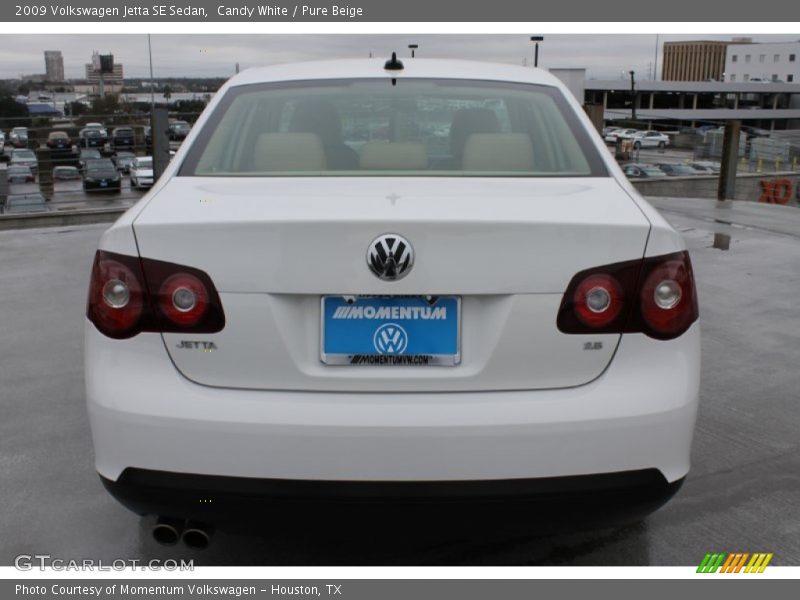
(103, 184)
(391, 330)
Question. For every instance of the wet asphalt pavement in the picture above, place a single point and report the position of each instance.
(743, 493)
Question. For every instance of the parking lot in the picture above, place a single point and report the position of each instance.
(70, 195)
(743, 493)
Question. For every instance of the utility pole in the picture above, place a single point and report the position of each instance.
(413, 48)
(633, 95)
(655, 63)
(536, 39)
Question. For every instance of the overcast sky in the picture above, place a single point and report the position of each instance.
(216, 55)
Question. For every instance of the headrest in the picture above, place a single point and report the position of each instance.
(320, 117)
(394, 156)
(498, 152)
(289, 152)
(468, 121)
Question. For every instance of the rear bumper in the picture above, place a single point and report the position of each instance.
(215, 498)
(638, 415)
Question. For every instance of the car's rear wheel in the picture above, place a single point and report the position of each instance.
(662, 145)
(637, 145)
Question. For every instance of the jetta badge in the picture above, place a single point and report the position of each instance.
(390, 257)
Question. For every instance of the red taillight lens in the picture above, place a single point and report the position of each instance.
(655, 296)
(183, 299)
(116, 299)
(598, 300)
(668, 297)
(128, 295)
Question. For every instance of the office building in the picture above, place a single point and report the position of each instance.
(771, 62)
(693, 61)
(54, 65)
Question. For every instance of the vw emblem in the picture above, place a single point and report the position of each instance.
(390, 338)
(390, 257)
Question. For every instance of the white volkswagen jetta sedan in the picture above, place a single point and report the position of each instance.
(364, 279)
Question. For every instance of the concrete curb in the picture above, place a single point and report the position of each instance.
(60, 218)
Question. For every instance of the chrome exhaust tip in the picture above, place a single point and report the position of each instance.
(167, 531)
(197, 535)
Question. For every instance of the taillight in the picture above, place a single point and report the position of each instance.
(655, 296)
(668, 297)
(116, 296)
(128, 295)
(183, 299)
(598, 300)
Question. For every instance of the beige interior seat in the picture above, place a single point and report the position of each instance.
(498, 152)
(289, 152)
(394, 156)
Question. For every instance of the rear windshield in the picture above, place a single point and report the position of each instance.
(414, 127)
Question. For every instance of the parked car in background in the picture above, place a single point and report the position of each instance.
(99, 128)
(640, 170)
(142, 172)
(610, 129)
(101, 175)
(148, 138)
(2, 141)
(122, 137)
(66, 173)
(58, 140)
(25, 203)
(178, 130)
(18, 137)
(90, 138)
(88, 154)
(677, 169)
(20, 174)
(123, 161)
(25, 157)
(299, 336)
(650, 139)
(613, 136)
(707, 167)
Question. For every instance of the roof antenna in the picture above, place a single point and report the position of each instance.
(393, 64)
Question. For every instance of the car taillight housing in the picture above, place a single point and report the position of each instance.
(655, 296)
(129, 295)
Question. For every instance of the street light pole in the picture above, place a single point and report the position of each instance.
(536, 39)
(152, 93)
(633, 95)
(413, 48)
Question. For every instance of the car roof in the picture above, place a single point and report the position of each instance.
(413, 67)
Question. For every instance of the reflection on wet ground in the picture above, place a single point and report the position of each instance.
(722, 241)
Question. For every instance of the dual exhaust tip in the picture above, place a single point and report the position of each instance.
(194, 534)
